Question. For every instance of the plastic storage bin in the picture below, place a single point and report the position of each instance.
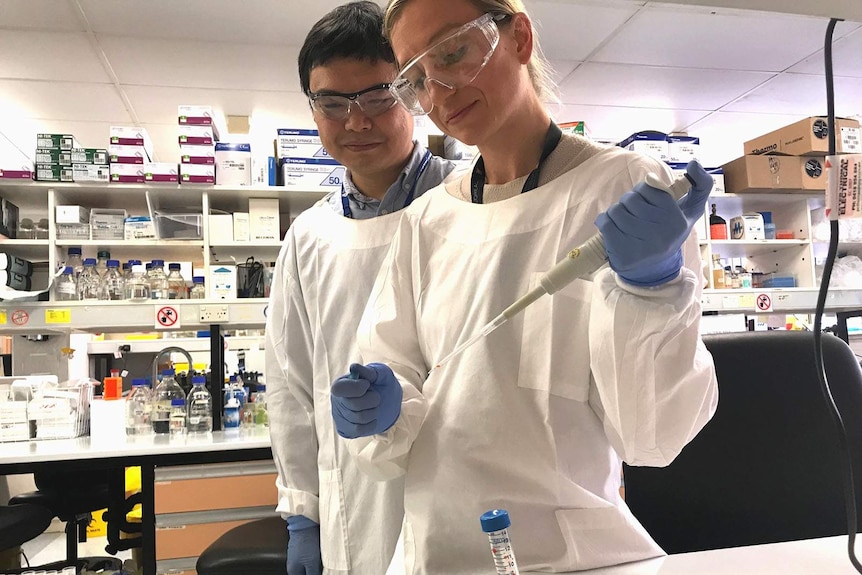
(179, 226)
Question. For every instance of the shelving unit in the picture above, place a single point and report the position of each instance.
(39, 199)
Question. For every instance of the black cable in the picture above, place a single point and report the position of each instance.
(844, 451)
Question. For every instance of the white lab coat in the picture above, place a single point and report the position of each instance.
(536, 417)
(323, 276)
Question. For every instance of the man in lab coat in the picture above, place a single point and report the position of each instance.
(337, 516)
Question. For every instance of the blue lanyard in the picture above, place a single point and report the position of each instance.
(345, 204)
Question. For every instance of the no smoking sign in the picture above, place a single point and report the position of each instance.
(167, 317)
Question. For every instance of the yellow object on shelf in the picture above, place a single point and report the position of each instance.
(97, 526)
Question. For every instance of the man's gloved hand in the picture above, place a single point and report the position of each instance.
(644, 232)
(365, 402)
(303, 547)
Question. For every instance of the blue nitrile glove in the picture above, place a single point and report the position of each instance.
(644, 232)
(303, 547)
(365, 402)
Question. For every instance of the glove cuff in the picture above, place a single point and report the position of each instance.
(298, 522)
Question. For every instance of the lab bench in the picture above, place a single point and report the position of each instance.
(194, 488)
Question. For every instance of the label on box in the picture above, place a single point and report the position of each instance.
(844, 187)
(90, 173)
(52, 173)
(96, 156)
(850, 140)
(139, 228)
(312, 174)
(53, 156)
(290, 137)
(57, 141)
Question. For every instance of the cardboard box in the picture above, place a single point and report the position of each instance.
(303, 151)
(96, 156)
(221, 228)
(139, 228)
(263, 171)
(127, 173)
(197, 174)
(72, 215)
(233, 164)
(164, 172)
(53, 173)
(53, 156)
(56, 141)
(132, 136)
(312, 175)
(763, 174)
(19, 173)
(576, 128)
(241, 227)
(813, 173)
(195, 115)
(650, 143)
(197, 135)
(122, 154)
(91, 173)
(682, 149)
(197, 155)
(290, 137)
(808, 137)
(264, 219)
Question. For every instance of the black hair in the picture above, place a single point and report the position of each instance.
(353, 30)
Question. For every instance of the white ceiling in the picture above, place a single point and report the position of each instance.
(724, 74)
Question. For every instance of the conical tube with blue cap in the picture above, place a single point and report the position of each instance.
(496, 524)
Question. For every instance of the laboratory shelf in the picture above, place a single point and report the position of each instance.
(232, 343)
(32, 250)
(124, 316)
(779, 300)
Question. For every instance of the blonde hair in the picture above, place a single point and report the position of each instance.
(539, 68)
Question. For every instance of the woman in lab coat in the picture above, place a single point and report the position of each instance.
(537, 417)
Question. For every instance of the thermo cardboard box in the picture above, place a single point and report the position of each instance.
(763, 174)
(808, 137)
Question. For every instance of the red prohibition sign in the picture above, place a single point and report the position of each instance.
(20, 317)
(167, 316)
(764, 302)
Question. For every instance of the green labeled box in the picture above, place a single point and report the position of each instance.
(56, 141)
(94, 156)
(53, 173)
(53, 156)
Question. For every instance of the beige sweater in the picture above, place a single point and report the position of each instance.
(570, 153)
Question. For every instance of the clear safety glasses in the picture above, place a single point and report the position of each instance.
(372, 101)
(452, 63)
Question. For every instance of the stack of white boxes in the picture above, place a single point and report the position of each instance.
(197, 138)
(305, 164)
(129, 151)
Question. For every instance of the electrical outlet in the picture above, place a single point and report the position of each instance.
(215, 314)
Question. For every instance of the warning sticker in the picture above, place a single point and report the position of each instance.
(763, 302)
(20, 317)
(58, 316)
(167, 317)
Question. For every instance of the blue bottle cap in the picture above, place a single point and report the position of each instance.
(140, 382)
(134, 262)
(158, 263)
(199, 380)
(113, 264)
(198, 279)
(68, 270)
(74, 251)
(261, 387)
(174, 266)
(495, 520)
(168, 372)
(178, 402)
(90, 262)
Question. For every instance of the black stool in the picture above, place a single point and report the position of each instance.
(72, 499)
(19, 524)
(255, 548)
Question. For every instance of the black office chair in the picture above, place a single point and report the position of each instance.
(19, 524)
(73, 497)
(254, 548)
(766, 468)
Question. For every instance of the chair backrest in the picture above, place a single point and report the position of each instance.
(766, 468)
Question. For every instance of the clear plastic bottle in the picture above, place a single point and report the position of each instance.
(260, 416)
(199, 290)
(137, 287)
(176, 284)
(66, 288)
(89, 282)
(231, 414)
(159, 288)
(167, 390)
(177, 421)
(73, 260)
(113, 284)
(496, 524)
(102, 257)
(200, 406)
(138, 408)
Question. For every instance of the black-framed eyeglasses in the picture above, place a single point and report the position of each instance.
(373, 101)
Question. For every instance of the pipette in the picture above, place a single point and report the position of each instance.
(581, 261)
